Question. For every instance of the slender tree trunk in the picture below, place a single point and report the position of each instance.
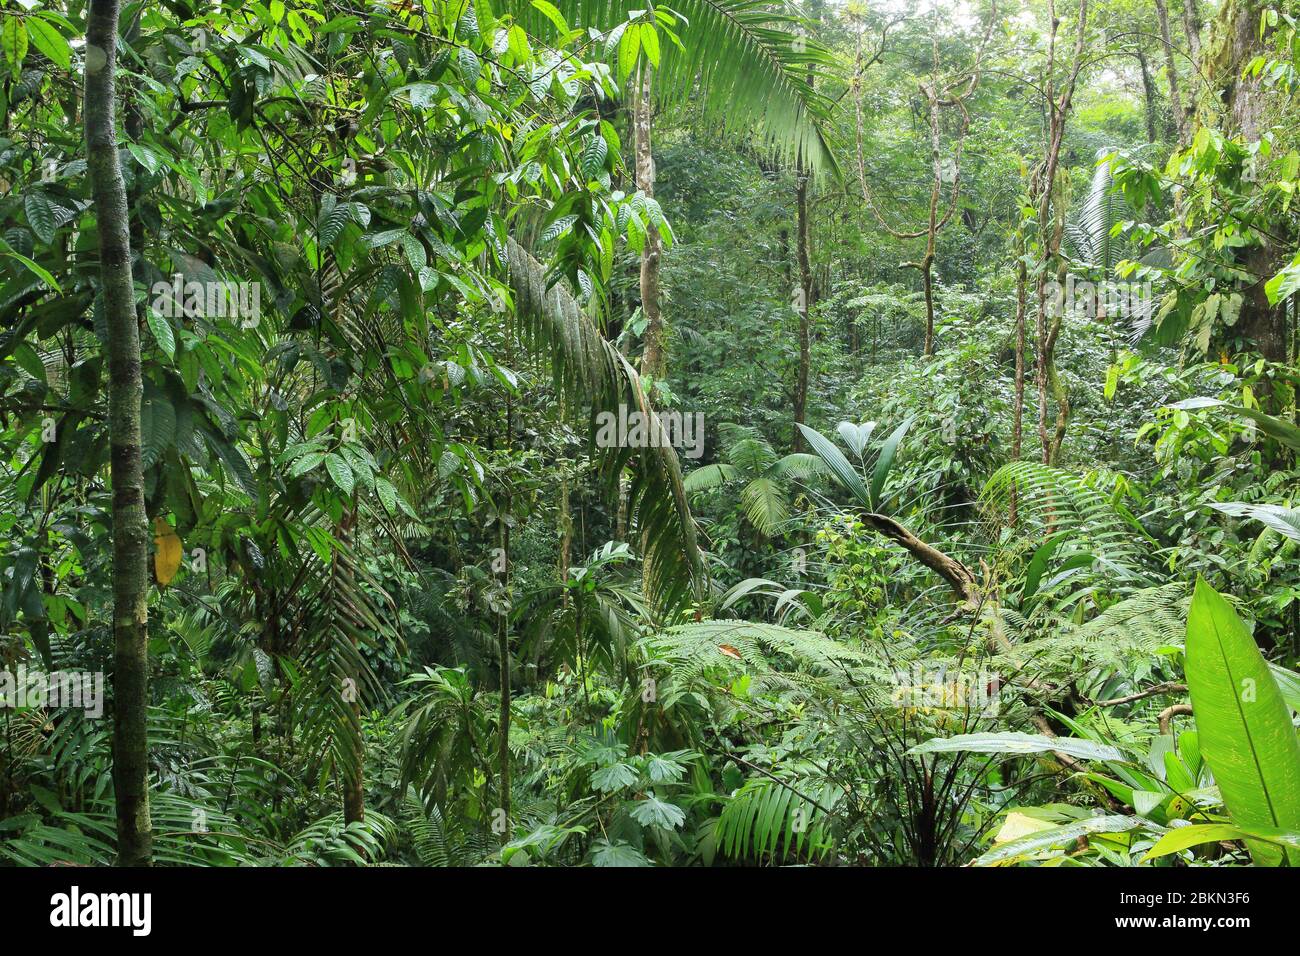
(654, 358)
(804, 302)
(566, 532)
(1181, 118)
(1051, 212)
(1018, 412)
(503, 732)
(503, 633)
(125, 390)
(1249, 102)
(1192, 26)
(1148, 95)
(932, 227)
(354, 777)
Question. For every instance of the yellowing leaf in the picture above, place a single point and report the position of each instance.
(167, 552)
(1017, 825)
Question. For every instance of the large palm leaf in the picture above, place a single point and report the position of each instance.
(742, 63)
(588, 369)
(1088, 236)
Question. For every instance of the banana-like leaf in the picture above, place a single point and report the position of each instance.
(1011, 743)
(1184, 838)
(1041, 840)
(1285, 521)
(1279, 428)
(1243, 723)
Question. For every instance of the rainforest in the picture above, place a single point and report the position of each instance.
(725, 433)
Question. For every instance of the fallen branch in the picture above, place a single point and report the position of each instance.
(1169, 687)
(958, 576)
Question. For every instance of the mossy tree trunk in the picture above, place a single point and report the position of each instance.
(125, 390)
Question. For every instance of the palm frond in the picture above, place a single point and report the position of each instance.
(587, 367)
(744, 64)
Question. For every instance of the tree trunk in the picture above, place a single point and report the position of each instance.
(1181, 118)
(1192, 26)
(1018, 412)
(125, 391)
(804, 303)
(354, 777)
(1248, 104)
(932, 227)
(654, 358)
(1148, 95)
(503, 732)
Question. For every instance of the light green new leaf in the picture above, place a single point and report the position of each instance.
(1243, 724)
(650, 43)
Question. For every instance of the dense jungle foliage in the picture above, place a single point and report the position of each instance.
(533, 432)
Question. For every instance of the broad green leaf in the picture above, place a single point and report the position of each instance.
(467, 62)
(29, 361)
(13, 42)
(341, 473)
(838, 464)
(1285, 432)
(518, 44)
(885, 462)
(650, 43)
(50, 42)
(1013, 743)
(162, 331)
(629, 45)
(1183, 838)
(593, 156)
(655, 812)
(1065, 835)
(40, 216)
(552, 13)
(1243, 724)
(1285, 283)
(1285, 521)
(35, 268)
